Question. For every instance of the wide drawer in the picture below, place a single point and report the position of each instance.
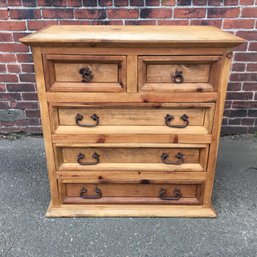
(77, 192)
(162, 119)
(85, 73)
(132, 157)
(178, 73)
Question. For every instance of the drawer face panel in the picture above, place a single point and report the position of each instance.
(136, 120)
(175, 158)
(177, 73)
(88, 193)
(85, 73)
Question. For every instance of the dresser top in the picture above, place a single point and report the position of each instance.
(135, 35)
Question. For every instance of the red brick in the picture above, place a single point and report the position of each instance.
(239, 95)
(238, 24)
(215, 2)
(25, 14)
(151, 2)
(228, 104)
(29, 3)
(224, 121)
(249, 57)
(27, 58)
(59, 3)
(90, 3)
(252, 113)
(27, 68)
(168, 3)
(140, 22)
(18, 35)
(156, 13)
(238, 67)
(4, 105)
(36, 25)
(3, 3)
(29, 96)
(231, 2)
(74, 3)
(27, 77)
(26, 105)
(252, 67)
(139, 2)
(32, 113)
(253, 46)
(6, 58)
(243, 77)
(241, 48)
(244, 104)
(223, 12)
(184, 2)
(250, 87)
(2, 70)
(13, 68)
(122, 13)
(234, 86)
(105, 2)
(57, 13)
(235, 121)
(12, 25)
(173, 22)
(14, 3)
(21, 87)
(4, 14)
(246, 2)
(8, 78)
(14, 47)
(249, 12)
(5, 37)
(90, 14)
(120, 2)
(199, 2)
(109, 22)
(189, 13)
(74, 22)
(216, 23)
(33, 122)
(249, 35)
(35, 130)
(44, 2)
(235, 113)
(9, 96)
(247, 121)
(2, 88)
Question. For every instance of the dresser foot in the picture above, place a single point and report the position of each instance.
(130, 211)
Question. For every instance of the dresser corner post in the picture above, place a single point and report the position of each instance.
(217, 124)
(45, 119)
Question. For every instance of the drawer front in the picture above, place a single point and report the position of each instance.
(135, 120)
(177, 73)
(144, 158)
(85, 73)
(93, 193)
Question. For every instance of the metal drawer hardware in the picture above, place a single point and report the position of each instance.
(86, 74)
(83, 191)
(178, 77)
(176, 192)
(81, 156)
(179, 156)
(79, 117)
(169, 118)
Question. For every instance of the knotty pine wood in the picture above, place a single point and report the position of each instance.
(145, 59)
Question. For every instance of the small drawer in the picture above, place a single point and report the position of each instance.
(126, 157)
(178, 73)
(85, 73)
(73, 192)
(162, 119)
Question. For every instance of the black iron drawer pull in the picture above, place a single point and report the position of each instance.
(169, 118)
(83, 192)
(79, 117)
(179, 156)
(81, 156)
(86, 74)
(176, 192)
(178, 77)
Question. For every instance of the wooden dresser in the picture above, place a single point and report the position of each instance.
(131, 117)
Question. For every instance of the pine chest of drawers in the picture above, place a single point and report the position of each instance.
(131, 117)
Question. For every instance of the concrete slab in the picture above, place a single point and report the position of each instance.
(24, 198)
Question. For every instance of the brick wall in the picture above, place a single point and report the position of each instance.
(18, 99)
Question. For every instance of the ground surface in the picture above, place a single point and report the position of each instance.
(24, 198)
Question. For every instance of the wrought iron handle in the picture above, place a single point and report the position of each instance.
(179, 156)
(176, 192)
(169, 118)
(86, 74)
(178, 77)
(81, 156)
(83, 191)
(79, 117)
